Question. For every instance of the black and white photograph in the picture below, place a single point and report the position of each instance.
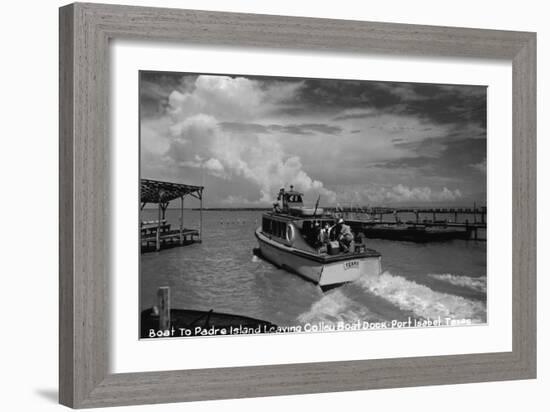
(276, 205)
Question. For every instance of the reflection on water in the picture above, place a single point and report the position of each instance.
(221, 273)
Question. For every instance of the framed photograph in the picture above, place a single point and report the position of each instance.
(256, 205)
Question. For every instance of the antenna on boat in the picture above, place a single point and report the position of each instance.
(316, 205)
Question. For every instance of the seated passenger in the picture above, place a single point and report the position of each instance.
(317, 235)
(324, 236)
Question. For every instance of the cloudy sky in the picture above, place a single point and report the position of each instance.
(360, 142)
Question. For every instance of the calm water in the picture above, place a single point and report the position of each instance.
(422, 281)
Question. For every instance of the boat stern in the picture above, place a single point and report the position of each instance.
(337, 273)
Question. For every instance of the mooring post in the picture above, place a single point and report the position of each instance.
(163, 295)
(181, 222)
(164, 206)
(158, 227)
(200, 219)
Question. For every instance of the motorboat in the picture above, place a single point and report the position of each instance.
(309, 242)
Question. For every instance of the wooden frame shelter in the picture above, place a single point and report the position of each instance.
(162, 193)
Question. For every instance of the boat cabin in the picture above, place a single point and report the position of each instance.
(293, 224)
(284, 229)
(289, 199)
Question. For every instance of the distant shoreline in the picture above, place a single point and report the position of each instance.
(219, 209)
(264, 209)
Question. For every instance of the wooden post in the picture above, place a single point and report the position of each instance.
(433, 215)
(164, 206)
(200, 218)
(416, 214)
(163, 295)
(456, 217)
(181, 222)
(158, 226)
(475, 220)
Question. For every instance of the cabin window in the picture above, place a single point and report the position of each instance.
(294, 198)
(279, 229)
(266, 225)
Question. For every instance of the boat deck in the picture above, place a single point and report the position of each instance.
(311, 255)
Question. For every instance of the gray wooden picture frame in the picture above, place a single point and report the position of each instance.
(85, 32)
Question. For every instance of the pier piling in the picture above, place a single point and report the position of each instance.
(181, 222)
(158, 226)
(200, 217)
(163, 295)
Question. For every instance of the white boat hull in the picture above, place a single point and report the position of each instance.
(325, 274)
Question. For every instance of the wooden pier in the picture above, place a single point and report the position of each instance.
(168, 237)
(420, 221)
(159, 233)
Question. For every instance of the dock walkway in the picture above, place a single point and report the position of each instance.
(175, 236)
(416, 223)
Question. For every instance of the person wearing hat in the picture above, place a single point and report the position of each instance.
(344, 235)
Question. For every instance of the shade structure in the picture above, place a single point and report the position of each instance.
(156, 191)
(162, 193)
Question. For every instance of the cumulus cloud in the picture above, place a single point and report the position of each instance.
(401, 193)
(481, 166)
(200, 139)
(365, 142)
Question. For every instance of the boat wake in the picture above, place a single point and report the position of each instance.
(336, 307)
(478, 284)
(423, 301)
(407, 295)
